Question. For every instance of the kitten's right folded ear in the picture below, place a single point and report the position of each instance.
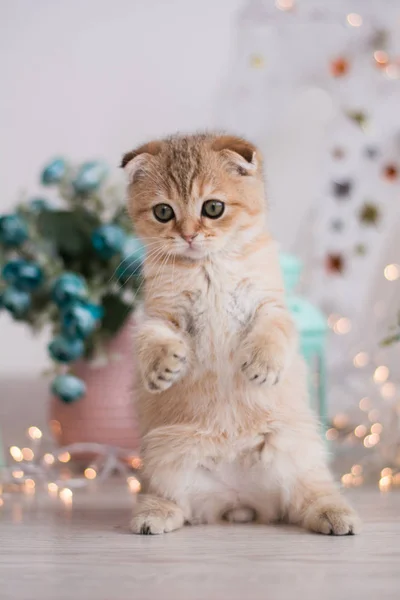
(135, 161)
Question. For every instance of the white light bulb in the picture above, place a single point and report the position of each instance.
(284, 4)
(34, 433)
(354, 20)
(342, 326)
(381, 374)
(392, 272)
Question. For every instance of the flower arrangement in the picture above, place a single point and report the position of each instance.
(73, 264)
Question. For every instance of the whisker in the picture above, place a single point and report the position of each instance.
(124, 259)
(152, 253)
(144, 280)
(158, 274)
(155, 259)
(173, 268)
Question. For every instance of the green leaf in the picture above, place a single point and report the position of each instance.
(40, 299)
(391, 340)
(69, 231)
(116, 311)
(122, 219)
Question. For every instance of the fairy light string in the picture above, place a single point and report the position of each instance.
(34, 469)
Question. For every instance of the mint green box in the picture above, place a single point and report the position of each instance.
(311, 324)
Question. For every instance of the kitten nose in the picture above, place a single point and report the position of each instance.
(189, 237)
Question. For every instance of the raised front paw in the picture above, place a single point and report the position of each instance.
(165, 366)
(263, 364)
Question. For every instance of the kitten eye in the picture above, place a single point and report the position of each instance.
(213, 209)
(163, 212)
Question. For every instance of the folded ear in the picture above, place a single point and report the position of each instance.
(135, 161)
(241, 155)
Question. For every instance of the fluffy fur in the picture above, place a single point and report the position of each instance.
(222, 398)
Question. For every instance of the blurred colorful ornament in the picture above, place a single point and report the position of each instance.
(38, 205)
(390, 172)
(339, 67)
(338, 153)
(359, 117)
(360, 249)
(65, 350)
(371, 152)
(257, 61)
(17, 302)
(342, 189)
(68, 388)
(108, 240)
(89, 177)
(369, 214)
(23, 274)
(13, 230)
(79, 319)
(69, 287)
(334, 263)
(54, 172)
(133, 254)
(379, 38)
(337, 225)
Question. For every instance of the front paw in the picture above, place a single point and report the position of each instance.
(167, 364)
(263, 363)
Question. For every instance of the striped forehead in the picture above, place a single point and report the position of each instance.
(184, 166)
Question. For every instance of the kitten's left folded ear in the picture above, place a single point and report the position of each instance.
(135, 161)
(241, 155)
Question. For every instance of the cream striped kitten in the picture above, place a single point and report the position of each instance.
(222, 399)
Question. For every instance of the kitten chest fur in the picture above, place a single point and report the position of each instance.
(221, 310)
(214, 305)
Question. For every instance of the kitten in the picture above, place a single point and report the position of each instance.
(222, 398)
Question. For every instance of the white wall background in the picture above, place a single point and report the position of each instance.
(92, 78)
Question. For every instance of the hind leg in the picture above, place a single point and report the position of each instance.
(316, 504)
(179, 484)
(326, 512)
(209, 502)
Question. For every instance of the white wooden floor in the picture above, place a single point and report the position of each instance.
(48, 552)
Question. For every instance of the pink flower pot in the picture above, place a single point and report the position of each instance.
(105, 415)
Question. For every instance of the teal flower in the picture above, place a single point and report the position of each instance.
(17, 302)
(54, 172)
(69, 287)
(89, 177)
(108, 240)
(65, 350)
(79, 319)
(13, 230)
(38, 205)
(23, 274)
(68, 388)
